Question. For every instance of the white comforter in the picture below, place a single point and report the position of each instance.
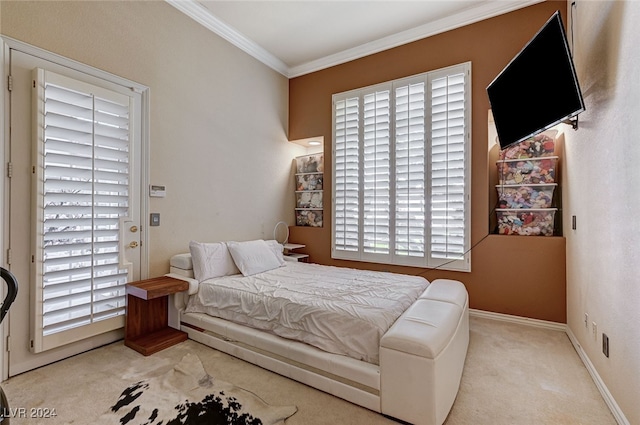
(339, 310)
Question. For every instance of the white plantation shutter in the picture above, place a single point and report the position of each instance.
(410, 170)
(82, 180)
(448, 167)
(401, 164)
(376, 169)
(345, 175)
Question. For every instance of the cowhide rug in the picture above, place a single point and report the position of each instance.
(188, 395)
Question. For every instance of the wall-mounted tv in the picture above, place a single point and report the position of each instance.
(538, 88)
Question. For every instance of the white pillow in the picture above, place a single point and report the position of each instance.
(277, 249)
(253, 257)
(211, 260)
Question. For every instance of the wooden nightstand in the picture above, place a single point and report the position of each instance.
(147, 327)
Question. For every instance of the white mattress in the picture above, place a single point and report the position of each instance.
(339, 310)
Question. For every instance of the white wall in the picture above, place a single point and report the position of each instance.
(218, 116)
(602, 189)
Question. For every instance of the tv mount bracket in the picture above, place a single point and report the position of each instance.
(573, 122)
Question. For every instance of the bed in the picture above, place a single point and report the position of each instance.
(392, 343)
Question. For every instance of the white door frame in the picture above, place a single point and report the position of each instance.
(4, 117)
(6, 44)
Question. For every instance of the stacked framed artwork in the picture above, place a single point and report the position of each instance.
(309, 182)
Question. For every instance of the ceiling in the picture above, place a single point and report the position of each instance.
(296, 37)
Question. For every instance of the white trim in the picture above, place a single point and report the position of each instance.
(555, 326)
(485, 10)
(617, 413)
(4, 118)
(12, 43)
(545, 324)
(203, 16)
(145, 178)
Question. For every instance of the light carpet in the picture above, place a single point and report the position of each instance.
(514, 375)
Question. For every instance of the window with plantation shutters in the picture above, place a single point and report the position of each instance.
(401, 168)
(82, 181)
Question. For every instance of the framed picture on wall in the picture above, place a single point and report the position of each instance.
(311, 218)
(309, 181)
(309, 199)
(313, 163)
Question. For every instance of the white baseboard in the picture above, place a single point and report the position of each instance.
(604, 391)
(555, 326)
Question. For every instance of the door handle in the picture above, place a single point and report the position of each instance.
(133, 244)
(133, 229)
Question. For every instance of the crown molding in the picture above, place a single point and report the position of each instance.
(484, 10)
(203, 16)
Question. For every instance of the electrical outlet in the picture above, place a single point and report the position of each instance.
(586, 320)
(605, 344)
(594, 329)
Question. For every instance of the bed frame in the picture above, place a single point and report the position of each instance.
(422, 355)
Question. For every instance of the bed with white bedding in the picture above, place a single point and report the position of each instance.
(393, 343)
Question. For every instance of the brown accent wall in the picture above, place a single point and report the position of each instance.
(518, 275)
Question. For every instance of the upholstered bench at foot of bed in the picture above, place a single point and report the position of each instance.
(422, 355)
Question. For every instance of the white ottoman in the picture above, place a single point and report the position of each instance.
(422, 356)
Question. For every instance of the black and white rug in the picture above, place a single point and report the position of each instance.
(188, 395)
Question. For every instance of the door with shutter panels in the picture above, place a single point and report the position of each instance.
(74, 209)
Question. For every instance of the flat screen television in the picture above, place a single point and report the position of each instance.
(538, 89)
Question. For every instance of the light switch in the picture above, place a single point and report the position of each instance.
(155, 219)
